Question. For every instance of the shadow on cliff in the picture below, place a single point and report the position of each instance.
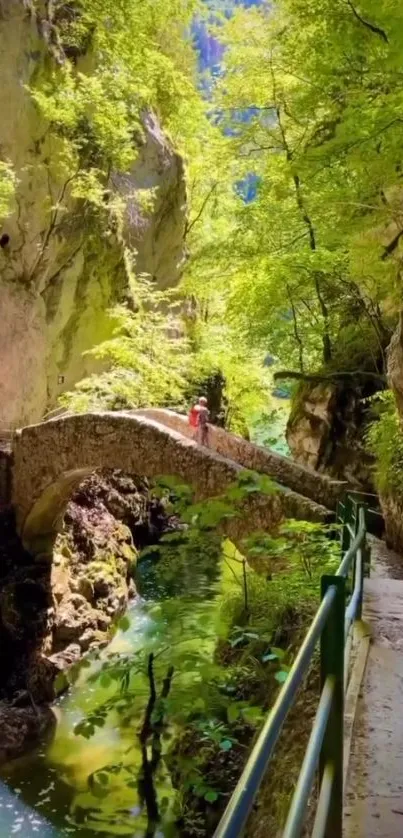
(25, 600)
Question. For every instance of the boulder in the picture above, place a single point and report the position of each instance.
(92, 638)
(83, 586)
(22, 728)
(74, 616)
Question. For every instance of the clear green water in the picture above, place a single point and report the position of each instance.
(47, 794)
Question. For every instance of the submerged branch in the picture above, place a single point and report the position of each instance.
(152, 727)
(146, 726)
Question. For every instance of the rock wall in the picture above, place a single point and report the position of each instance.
(51, 615)
(326, 430)
(395, 365)
(62, 265)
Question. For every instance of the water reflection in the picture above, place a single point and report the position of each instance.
(18, 819)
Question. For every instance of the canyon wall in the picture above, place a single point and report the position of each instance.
(63, 265)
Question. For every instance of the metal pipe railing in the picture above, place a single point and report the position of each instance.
(325, 796)
(331, 624)
(248, 785)
(296, 815)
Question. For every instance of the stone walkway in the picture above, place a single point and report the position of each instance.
(374, 791)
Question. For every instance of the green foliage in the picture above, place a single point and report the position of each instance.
(139, 60)
(193, 689)
(8, 182)
(305, 548)
(385, 442)
(217, 345)
(146, 359)
(305, 266)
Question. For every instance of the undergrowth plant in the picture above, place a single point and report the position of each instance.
(203, 693)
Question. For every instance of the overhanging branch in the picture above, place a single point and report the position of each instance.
(371, 26)
(329, 377)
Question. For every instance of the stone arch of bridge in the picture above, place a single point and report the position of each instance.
(52, 458)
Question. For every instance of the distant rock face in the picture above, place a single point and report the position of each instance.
(156, 235)
(326, 428)
(62, 265)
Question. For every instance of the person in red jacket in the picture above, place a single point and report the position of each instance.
(198, 419)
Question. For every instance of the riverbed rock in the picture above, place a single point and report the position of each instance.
(24, 607)
(62, 661)
(60, 577)
(92, 639)
(91, 582)
(43, 681)
(83, 586)
(53, 612)
(74, 617)
(22, 728)
(104, 621)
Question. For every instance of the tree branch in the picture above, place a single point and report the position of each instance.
(190, 226)
(296, 330)
(388, 250)
(371, 26)
(335, 376)
(146, 726)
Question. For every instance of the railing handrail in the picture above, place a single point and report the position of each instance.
(346, 562)
(242, 799)
(331, 624)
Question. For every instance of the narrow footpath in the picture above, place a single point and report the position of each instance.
(374, 789)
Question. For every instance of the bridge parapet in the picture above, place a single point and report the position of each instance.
(318, 487)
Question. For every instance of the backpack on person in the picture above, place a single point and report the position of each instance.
(193, 416)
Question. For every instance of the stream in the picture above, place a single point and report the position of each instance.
(177, 617)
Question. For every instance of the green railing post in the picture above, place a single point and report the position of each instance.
(366, 558)
(366, 550)
(332, 663)
(345, 535)
(356, 507)
(360, 565)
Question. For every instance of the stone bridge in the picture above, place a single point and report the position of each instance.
(311, 484)
(50, 459)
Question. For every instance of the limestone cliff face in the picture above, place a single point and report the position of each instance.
(326, 430)
(61, 264)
